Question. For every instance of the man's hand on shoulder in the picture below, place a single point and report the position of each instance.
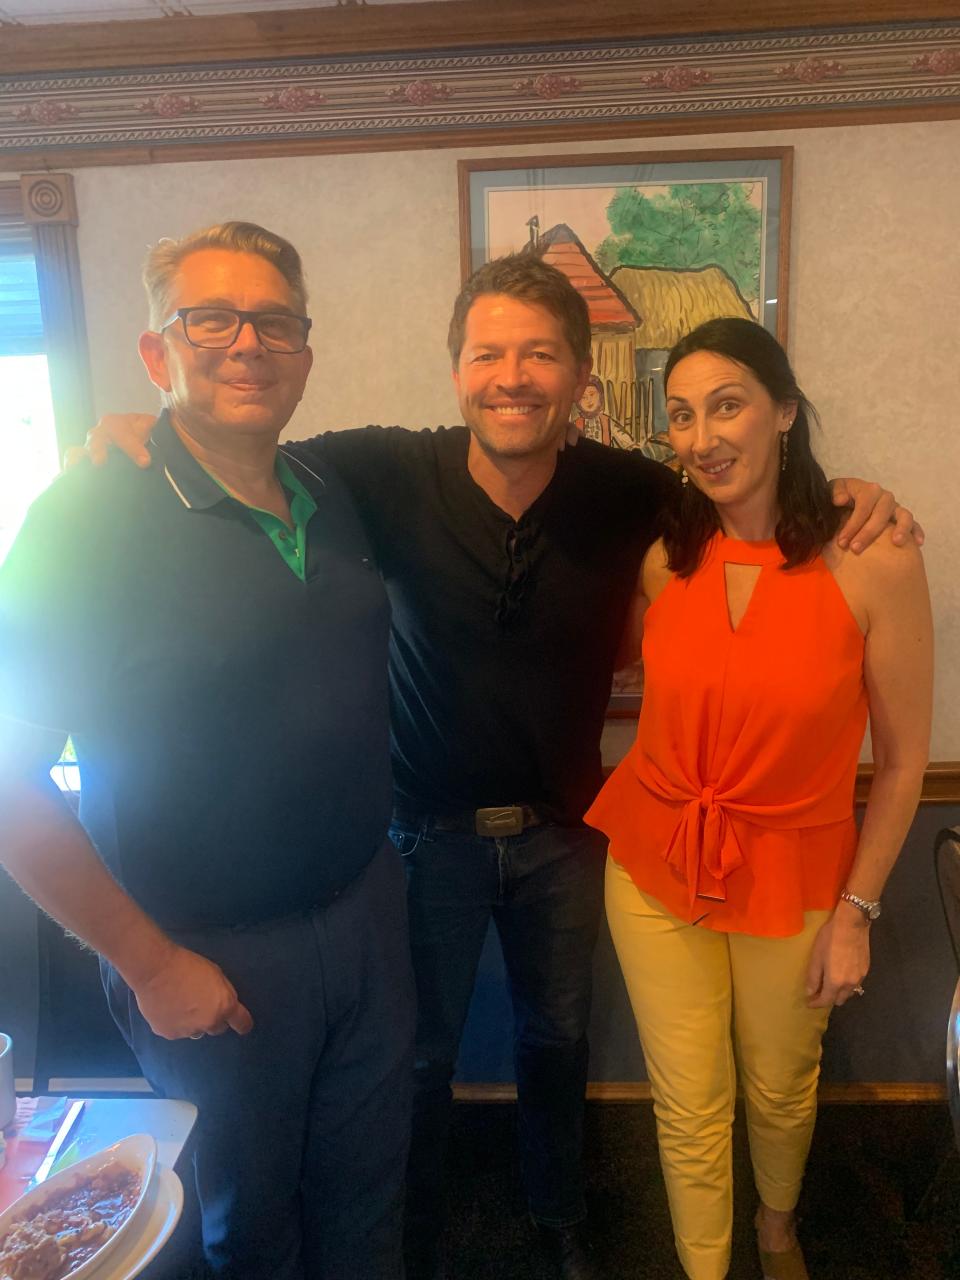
(128, 432)
(571, 436)
(187, 995)
(872, 509)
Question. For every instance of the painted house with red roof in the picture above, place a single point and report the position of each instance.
(613, 320)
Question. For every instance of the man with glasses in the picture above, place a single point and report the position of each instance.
(212, 634)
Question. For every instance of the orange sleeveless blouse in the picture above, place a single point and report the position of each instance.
(734, 807)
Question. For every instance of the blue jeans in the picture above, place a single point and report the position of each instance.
(303, 1128)
(544, 890)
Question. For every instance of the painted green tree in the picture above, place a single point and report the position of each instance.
(691, 225)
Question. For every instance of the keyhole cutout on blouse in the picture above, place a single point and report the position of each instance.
(740, 581)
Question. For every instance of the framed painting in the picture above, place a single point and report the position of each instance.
(656, 242)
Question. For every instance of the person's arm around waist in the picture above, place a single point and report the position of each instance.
(46, 851)
(887, 591)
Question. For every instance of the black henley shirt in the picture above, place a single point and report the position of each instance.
(504, 631)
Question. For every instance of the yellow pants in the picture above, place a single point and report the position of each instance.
(704, 1001)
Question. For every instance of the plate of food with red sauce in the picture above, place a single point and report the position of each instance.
(69, 1226)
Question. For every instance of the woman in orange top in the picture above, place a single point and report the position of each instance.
(739, 893)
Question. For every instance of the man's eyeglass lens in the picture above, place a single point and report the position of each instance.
(218, 327)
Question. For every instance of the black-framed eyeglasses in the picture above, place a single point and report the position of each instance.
(219, 327)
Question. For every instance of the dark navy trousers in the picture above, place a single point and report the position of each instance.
(303, 1124)
(543, 889)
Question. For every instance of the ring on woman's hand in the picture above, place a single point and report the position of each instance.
(198, 1035)
(859, 991)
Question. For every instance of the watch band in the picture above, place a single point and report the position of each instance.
(869, 910)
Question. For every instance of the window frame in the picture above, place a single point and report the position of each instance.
(45, 203)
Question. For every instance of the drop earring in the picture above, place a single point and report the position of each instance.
(784, 445)
(684, 479)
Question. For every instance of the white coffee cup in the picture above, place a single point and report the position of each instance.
(8, 1097)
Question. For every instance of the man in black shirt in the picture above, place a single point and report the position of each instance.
(505, 629)
(510, 564)
(510, 567)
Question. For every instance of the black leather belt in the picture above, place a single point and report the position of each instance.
(496, 820)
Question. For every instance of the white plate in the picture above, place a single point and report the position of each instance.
(161, 1213)
(137, 1153)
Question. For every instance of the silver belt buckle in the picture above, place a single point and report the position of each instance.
(500, 820)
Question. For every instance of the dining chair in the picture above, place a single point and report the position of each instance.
(76, 1036)
(946, 853)
(953, 1063)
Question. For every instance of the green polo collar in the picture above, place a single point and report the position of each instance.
(199, 490)
(291, 543)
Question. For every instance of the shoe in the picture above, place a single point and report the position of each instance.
(783, 1265)
(567, 1250)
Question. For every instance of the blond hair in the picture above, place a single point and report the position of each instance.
(165, 257)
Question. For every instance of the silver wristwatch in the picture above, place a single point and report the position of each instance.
(869, 910)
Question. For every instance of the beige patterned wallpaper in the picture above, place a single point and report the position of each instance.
(874, 300)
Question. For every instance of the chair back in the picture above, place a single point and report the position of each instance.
(946, 853)
(76, 1034)
(953, 1063)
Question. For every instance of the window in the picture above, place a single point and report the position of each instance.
(28, 437)
(45, 400)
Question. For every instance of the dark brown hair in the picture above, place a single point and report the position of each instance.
(526, 277)
(808, 519)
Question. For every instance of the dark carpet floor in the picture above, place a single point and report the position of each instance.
(881, 1202)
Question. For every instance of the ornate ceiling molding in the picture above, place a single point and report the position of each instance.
(398, 27)
(431, 98)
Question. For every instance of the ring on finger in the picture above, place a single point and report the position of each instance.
(198, 1035)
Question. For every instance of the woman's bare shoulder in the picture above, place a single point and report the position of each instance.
(882, 576)
(883, 561)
